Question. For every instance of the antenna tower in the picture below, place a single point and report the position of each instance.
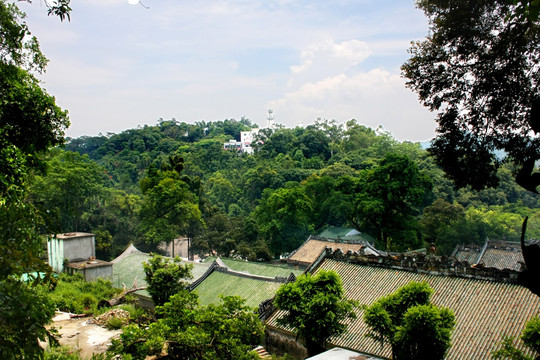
(270, 118)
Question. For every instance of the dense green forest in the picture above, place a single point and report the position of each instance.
(155, 183)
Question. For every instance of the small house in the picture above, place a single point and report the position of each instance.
(76, 253)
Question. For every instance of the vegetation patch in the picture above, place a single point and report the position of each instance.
(73, 294)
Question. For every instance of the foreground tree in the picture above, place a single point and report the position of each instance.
(414, 328)
(316, 308)
(530, 337)
(479, 69)
(30, 124)
(165, 277)
(186, 330)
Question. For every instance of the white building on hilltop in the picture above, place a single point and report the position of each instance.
(247, 137)
(244, 145)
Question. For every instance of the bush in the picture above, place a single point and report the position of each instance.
(135, 312)
(74, 294)
(62, 353)
(115, 323)
(66, 353)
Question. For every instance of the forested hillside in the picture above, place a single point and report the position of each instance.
(156, 183)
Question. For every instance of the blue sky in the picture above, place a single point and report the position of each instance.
(116, 66)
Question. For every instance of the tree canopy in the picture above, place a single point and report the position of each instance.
(185, 330)
(30, 124)
(316, 308)
(386, 198)
(406, 319)
(478, 69)
(165, 277)
(257, 206)
(170, 206)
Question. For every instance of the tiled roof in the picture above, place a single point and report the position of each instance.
(254, 290)
(312, 249)
(503, 259)
(484, 310)
(128, 266)
(469, 254)
(497, 254)
(256, 268)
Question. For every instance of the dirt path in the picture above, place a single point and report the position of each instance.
(79, 334)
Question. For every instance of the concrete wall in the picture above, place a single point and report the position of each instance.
(93, 273)
(55, 251)
(75, 248)
(79, 248)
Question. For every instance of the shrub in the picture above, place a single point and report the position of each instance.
(62, 353)
(115, 323)
(73, 294)
(135, 312)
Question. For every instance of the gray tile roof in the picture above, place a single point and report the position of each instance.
(485, 310)
(498, 254)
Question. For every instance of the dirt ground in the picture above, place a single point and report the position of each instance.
(81, 335)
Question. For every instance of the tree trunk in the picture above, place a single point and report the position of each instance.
(118, 299)
(313, 348)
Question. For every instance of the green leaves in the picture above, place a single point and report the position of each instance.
(284, 218)
(531, 334)
(415, 328)
(316, 308)
(410, 338)
(59, 8)
(164, 277)
(74, 186)
(24, 312)
(386, 201)
(186, 330)
(478, 69)
(170, 207)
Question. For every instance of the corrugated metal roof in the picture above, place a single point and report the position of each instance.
(218, 283)
(484, 310)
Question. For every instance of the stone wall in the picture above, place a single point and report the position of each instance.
(278, 342)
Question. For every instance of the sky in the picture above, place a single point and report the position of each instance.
(116, 66)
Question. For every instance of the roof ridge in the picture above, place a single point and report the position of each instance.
(421, 263)
(483, 251)
(131, 249)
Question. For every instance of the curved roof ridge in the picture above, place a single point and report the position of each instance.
(131, 249)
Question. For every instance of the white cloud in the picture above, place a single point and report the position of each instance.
(115, 66)
(327, 58)
(327, 85)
